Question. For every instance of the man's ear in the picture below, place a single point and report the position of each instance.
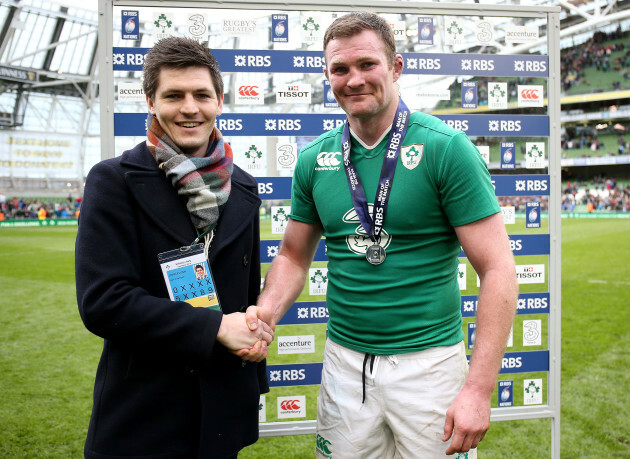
(399, 64)
(220, 105)
(150, 106)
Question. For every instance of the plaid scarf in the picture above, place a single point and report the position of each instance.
(204, 183)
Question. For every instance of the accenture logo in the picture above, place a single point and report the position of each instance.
(328, 161)
(251, 91)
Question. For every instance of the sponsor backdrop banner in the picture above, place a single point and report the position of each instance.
(313, 125)
(281, 61)
(278, 101)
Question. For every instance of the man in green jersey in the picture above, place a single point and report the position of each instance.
(395, 194)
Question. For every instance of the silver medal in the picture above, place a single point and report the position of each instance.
(375, 254)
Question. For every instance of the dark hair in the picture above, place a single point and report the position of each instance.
(178, 53)
(199, 266)
(354, 23)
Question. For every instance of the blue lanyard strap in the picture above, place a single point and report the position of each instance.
(374, 224)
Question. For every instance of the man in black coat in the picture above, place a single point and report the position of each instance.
(170, 383)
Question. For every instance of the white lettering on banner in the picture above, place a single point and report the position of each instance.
(516, 245)
(229, 124)
(532, 303)
(265, 188)
(320, 312)
(531, 185)
(511, 362)
(423, 64)
(460, 125)
(135, 59)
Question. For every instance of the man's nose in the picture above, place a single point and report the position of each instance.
(355, 78)
(189, 105)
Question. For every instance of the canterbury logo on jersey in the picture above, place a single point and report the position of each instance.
(328, 161)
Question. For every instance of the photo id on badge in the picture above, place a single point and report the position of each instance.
(188, 277)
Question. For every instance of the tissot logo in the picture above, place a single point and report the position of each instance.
(248, 91)
(530, 274)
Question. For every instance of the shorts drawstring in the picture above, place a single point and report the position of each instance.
(374, 359)
(371, 372)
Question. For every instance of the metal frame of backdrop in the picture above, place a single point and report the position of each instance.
(506, 185)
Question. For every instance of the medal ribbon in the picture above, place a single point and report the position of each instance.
(374, 224)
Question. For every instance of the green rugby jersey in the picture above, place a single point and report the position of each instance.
(411, 301)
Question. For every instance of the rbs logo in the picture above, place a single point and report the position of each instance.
(516, 245)
(460, 125)
(229, 125)
(483, 64)
(265, 188)
(535, 66)
(258, 61)
(289, 125)
(511, 362)
(293, 375)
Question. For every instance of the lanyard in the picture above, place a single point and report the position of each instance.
(374, 224)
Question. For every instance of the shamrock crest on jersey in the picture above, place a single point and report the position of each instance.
(360, 241)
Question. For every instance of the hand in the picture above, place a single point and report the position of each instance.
(467, 420)
(235, 334)
(254, 316)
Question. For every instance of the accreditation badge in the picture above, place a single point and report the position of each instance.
(188, 277)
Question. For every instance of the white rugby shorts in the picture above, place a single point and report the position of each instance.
(406, 398)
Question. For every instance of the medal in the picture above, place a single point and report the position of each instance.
(375, 254)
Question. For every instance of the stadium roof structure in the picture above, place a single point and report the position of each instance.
(49, 64)
(46, 50)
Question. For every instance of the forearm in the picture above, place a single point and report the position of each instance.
(495, 314)
(283, 284)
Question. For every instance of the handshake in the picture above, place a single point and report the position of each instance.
(248, 334)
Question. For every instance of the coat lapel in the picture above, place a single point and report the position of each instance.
(237, 215)
(157, 197)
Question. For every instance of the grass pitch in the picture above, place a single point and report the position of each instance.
(48, 359)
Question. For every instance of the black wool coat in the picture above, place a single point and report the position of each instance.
(165, 387)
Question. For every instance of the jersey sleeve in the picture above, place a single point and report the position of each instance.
(303, 207)
(465, 185)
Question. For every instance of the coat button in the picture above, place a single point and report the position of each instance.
(245, 260)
